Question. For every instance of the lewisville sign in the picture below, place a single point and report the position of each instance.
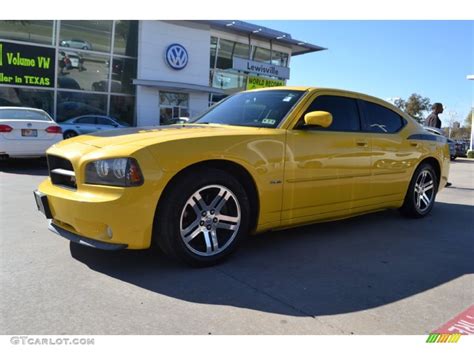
(252, 66)
(26, 65)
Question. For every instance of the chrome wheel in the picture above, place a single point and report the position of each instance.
(210, 220)
(424, 191)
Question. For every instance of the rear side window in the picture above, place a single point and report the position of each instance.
(104, 121)
(13, 114)
(382, 120)
(344, 111)
(86, 120)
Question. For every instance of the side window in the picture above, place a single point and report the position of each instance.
(104, 121)
(344, 111)
(86, 120)
(382, 120)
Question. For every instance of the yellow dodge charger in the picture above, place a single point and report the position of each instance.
(259, 160)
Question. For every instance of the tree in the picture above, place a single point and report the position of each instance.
(468, 120)
(416, 106)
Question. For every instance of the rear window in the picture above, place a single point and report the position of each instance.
(381, 119)
(86, 120)
(12, 114)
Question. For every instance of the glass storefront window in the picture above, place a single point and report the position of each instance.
(213, 52)
(123, 72)
(172, 107)
(83, 70)
(174, 99)
(262, 55)
(224, 54)
(42, 99)
(86, 35)
(123, 108)
(126, 38)
(85, 81)
(241, 50)
(73, 104)
(230, 82)
(28, 31)
(280, 58)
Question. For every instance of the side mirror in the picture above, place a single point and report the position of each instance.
(318, 118)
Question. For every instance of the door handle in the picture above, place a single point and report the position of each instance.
(362, 143)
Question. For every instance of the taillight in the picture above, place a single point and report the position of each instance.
(5, 128)
(54, 129)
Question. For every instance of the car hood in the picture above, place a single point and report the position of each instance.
(144, 136)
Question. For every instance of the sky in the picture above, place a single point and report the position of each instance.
(388, 59)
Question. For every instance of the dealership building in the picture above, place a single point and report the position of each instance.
(142, 72)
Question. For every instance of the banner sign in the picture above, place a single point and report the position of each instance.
(260, 68)
(257, 82)
(26, 65)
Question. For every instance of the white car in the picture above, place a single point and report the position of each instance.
(26, 132)
(73, 60)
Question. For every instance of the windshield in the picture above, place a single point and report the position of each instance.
(254, 108)
(13, 114)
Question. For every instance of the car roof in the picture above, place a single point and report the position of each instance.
(21, 108)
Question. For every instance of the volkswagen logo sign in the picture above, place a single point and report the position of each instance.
(176, 56)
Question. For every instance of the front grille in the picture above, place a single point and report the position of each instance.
(61, 172)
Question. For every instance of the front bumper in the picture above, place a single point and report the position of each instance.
(106, 214)
(83, 240)
(103, 217)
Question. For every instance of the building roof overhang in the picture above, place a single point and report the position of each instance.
(265, 33)
(177, 86)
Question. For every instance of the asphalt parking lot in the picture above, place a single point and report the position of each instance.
(374, 274)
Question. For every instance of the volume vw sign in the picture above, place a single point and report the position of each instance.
(176, 56)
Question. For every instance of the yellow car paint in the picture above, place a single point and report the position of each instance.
(301, 176)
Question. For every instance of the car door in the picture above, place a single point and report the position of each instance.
(85, 124)
(393, 156)
(327, 170)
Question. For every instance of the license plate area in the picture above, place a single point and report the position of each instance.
(42, 204)
(26, 132)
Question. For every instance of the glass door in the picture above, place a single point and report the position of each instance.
(173, 106)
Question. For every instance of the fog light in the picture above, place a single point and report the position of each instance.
(109, 232)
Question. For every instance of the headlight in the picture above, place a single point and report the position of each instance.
(115, 172)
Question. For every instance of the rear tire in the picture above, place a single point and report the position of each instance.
(421, 193)
(69, 134)
(202, 218)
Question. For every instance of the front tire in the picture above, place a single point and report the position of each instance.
(202, 218)
(421, 193)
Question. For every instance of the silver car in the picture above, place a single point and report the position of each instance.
(76, 43)
(89, 124)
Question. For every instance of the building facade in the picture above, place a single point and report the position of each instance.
(142, 72)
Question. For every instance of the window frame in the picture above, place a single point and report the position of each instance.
(299, 126)
(365, 117)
